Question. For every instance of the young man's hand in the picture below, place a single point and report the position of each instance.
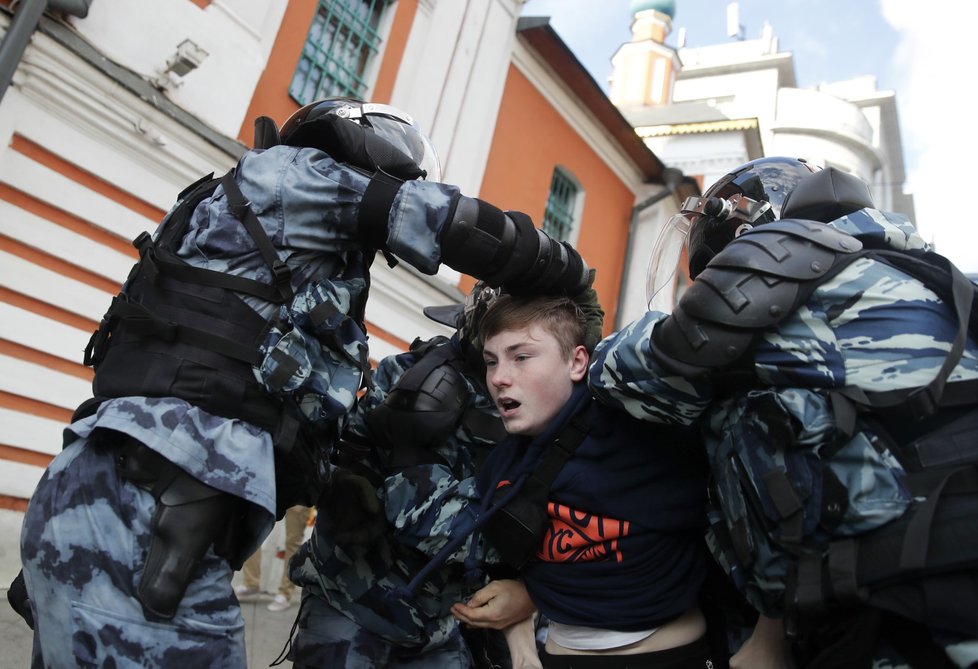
(496, 606)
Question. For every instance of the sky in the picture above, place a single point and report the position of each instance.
(922, 50)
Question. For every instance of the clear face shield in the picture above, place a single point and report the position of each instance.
(398, 128)
(676, 236)
(664, 263)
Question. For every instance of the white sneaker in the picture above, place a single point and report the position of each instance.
(280, 603)
(246, 593)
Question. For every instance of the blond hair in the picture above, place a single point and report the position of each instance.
(559, 316)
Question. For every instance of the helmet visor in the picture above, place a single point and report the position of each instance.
(664, 263)
(399, 129)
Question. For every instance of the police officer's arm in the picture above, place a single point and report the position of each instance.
(625, 374)
(352, 496)
(428, 507)
(425, 223)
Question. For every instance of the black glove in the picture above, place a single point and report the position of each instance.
(353, 508)
(19, 601)
(587, 302)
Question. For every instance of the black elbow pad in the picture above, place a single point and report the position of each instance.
(482, 241)
(558, 269)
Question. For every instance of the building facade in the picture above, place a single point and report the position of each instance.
(706, 110)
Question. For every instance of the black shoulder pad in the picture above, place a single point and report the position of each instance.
(792, 248)
(755, 282)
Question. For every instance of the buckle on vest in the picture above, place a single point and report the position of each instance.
(281, 272)
(97, 344)
(921, 403)
(142, 240)
(168, 331)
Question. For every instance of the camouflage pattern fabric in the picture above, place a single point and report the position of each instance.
(870, 326)
(84, 543)
(364, 584)
(307, 205)
(327, 638)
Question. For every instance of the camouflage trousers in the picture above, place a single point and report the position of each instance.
(83, 548)
(327, 638)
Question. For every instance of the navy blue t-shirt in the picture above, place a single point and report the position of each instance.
(624, 548)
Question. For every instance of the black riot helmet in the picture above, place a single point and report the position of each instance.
(466, 318)
(426, 404)
(367, 135)
(750, 195)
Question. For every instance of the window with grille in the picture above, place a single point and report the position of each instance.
(341, 43)
(559, 217)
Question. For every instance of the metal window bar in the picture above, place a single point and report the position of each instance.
(558, 218)
(342, 39)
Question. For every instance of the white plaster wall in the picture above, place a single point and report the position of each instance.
(452, 78)
(236, 34)
(646, 229)
(79, 116)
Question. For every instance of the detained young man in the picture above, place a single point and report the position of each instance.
(620, 559)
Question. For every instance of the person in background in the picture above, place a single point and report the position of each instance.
(296, 520)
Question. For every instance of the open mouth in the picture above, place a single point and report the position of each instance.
(508, 405)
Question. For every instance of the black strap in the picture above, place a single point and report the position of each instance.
(375, 209)
(158, 260)
(916, 542)
(241, 208)
(790, 509)
(141, 321)
(562, 448)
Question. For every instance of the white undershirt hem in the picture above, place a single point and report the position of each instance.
(578, 637)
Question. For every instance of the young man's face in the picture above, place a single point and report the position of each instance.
(529, 379)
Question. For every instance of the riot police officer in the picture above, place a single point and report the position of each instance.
(225, 369)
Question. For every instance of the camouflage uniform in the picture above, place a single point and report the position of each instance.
(355, 610)
(870, 326)
(85, 530)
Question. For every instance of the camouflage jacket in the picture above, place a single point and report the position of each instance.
(367, 583)
(870, 326)
(307, 204)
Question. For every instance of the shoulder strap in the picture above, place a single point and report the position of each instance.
(241, 208)
(562, 449)
(946, 280)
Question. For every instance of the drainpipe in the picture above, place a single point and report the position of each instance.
(671, 178)
(22, 26)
